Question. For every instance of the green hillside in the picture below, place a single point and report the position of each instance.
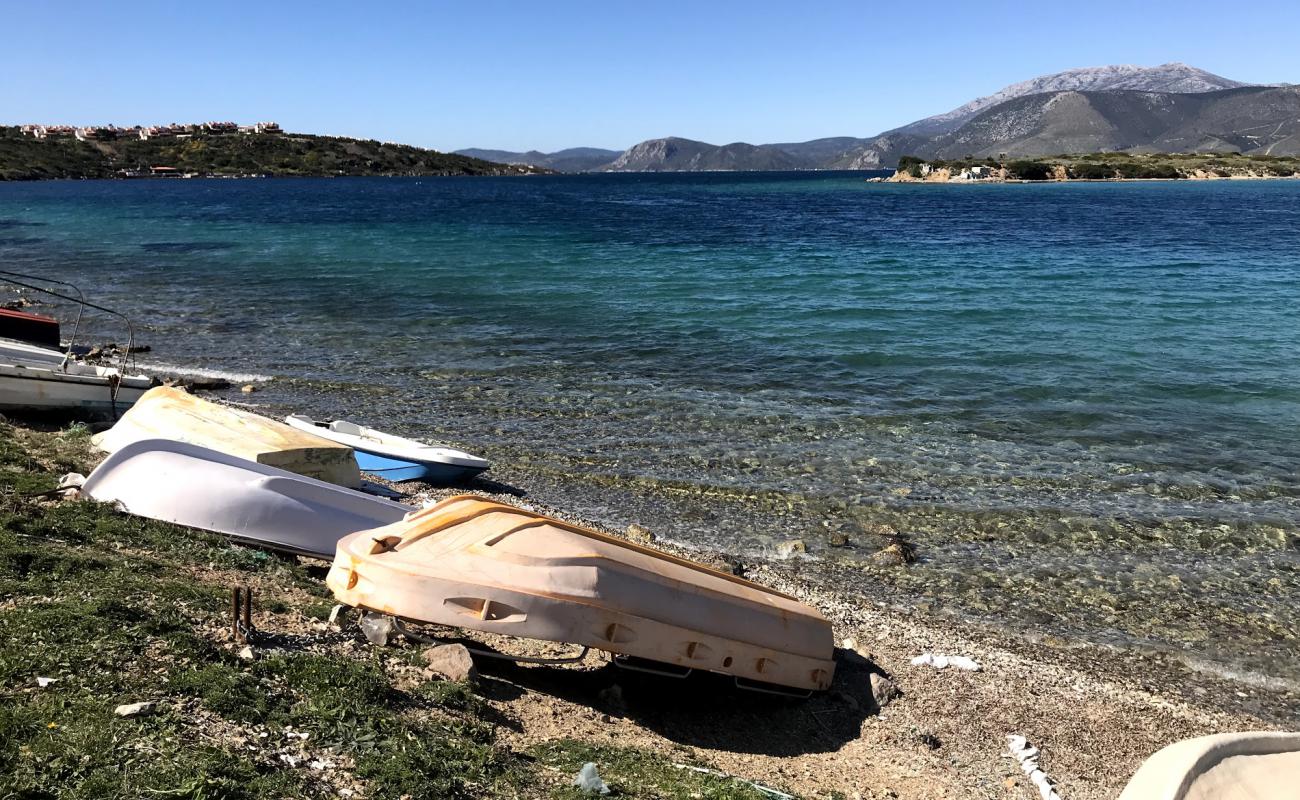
(227, 154)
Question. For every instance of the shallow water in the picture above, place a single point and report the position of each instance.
(1079, 400)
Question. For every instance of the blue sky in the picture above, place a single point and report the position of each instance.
(559, 74)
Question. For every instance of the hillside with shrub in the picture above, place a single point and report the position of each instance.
(227, 155)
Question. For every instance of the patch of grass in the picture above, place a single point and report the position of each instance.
(450, 694)
(631, 772)
(115, 607)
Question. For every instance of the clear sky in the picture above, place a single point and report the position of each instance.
(549, 75)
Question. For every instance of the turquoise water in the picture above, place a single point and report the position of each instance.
(1080, 400)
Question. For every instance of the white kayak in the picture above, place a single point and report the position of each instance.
(394, 457)
(201, 488)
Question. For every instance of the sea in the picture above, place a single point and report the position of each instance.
(1079, 403)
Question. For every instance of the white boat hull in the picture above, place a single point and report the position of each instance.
(394, 457)
(16, 352)
(201, 488)
(26, 388)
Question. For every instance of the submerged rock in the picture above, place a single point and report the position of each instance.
(789, 548)
(837, 540)
(640, 534)
(194, 384)
(892, 555)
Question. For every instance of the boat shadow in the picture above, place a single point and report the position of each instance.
(704, 709)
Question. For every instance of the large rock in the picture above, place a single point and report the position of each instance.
(451, 661)
(883, 690)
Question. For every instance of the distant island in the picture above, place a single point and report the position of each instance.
(218, 149)
(1095, 167)
(1170, 108)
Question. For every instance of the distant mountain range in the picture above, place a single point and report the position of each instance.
(575, 159)
(1169, 108)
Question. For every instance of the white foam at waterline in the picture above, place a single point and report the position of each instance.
(200, 372)
(1244, 677)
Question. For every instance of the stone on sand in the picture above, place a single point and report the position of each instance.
(451, 661)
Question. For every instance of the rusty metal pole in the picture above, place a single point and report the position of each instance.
(241, 613)
(235, 633)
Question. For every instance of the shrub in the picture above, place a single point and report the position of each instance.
(1030, 170)
(1092, 172)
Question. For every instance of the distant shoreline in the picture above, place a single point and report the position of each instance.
(1096, 168)
(112, 155)
(995, 181)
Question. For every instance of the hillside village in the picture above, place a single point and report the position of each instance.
(146, 132)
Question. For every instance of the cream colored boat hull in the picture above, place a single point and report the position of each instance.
(1230, 766)
(473, 563)
(170, 413)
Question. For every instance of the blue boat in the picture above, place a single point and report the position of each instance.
(394, 457)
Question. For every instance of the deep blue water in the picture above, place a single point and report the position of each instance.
(1053, 387)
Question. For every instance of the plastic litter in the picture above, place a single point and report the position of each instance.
(133, 709)
(943, 662)
(1027, 755)
(43, 682)
(588, 780)
(377, 628)
(335, 612)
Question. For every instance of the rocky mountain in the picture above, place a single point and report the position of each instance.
(685, 155)
(574, 159)
(1168, 108)
(1250, 120)
(1175, 77)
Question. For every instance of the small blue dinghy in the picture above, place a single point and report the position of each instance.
(393, 457)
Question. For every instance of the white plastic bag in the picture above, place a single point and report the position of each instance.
(943, 662)
(378, 628)
(588, 780)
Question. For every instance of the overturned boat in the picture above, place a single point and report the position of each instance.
(1230, 766)
(394, 457)
(167, 412)
(202, 488)
(474, 563)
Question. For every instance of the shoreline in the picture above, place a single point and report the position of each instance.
(995, 181)
(768, 523)
(1095, 709)
(1095, 712)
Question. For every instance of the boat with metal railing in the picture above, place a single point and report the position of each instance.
(38, 378)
